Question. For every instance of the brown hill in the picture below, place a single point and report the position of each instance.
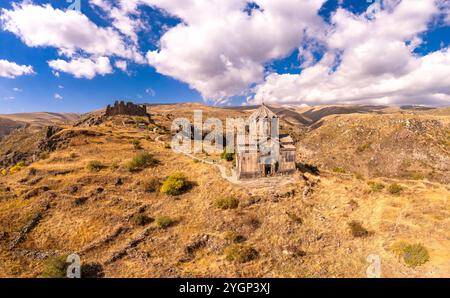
(84, 197)
(10, 122)
(389, 145)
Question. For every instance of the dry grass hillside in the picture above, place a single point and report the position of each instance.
(90, 195)
(11, 122)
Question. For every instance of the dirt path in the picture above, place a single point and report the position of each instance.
(251, 183)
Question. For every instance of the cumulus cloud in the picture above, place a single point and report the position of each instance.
(370, 61)
(68, 31)
(124, 16)
(220, 49)
(11, 69)
(57, 96)
(83, 67)
(122, 65)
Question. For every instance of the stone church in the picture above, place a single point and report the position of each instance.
(254, 161)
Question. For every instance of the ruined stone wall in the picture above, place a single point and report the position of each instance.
(129, 108)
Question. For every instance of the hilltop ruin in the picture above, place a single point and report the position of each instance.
(129, 108)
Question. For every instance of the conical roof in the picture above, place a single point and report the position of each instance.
(262, 112)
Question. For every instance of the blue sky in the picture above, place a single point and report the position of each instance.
(308, 66)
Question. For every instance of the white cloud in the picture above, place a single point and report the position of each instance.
(122, 65)
(220, 50)
(124, 16)
(150, 92)
(83, 67)
(9, 98)
(68, 31)
(60, 86)
(376, 63)
(57, 96)
(11, 69)
(17, 89)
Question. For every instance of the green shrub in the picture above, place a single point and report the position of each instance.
(241, 253)
(376, 186)
(395, 189)
(195, 160)
(175, 184)
(165, 221)
(228, 156)
(141, 161)
(44, 155)
(32, 171)
(295, 218)
(55, 267)
(17, 168)
(151, 185)
(136, 144)
(141, 219)
(357, 230)
(417, 176)
(235, 238)
(339, 170)
(95, 166)
(4, 172)
(167, 146)
(363, 147)
(227, 203)
(139, 120)
(115, 166)
(413, 254)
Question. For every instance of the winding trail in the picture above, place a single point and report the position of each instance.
(260, 182)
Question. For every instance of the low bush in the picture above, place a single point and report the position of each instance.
(4, 172)
(357, 230)
(136, 144)
(44, 155)
(167, 146)
(295, 218)
(141, 219)
(227, 203)
(115, 166)
(17, 168)
(241, 253)
(395, 189)
(376, 186)
(32, 171)
(417, 176)
(141, 161)
(151, 185)
(412, 254)
(228, 156)
(363, 147)
(339, 170)
(165, 222)
(55, 267)
(176, 184)
(95, 166)
(234, 238)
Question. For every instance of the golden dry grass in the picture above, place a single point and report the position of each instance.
(320, 245)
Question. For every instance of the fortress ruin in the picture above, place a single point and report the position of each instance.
(129, 108)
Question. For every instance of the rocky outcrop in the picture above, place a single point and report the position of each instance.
(129, 108)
